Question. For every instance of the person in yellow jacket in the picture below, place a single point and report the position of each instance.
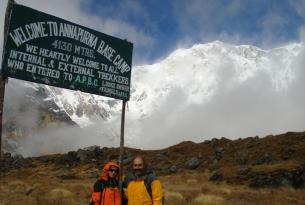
(143, 187)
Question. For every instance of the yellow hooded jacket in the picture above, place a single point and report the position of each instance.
(137, 193)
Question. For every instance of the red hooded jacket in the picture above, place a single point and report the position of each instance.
(106, 189)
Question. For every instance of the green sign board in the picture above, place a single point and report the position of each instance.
(46, 49)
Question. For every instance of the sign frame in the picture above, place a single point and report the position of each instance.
(46, 49)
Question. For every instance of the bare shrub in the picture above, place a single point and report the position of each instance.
(204, 199)
(174, 198)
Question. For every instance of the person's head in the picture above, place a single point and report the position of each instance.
(113, 172)
(110, 170)
(138, 165)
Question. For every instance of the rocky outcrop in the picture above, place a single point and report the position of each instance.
(9, 162)
(293, 178)
(192, 163)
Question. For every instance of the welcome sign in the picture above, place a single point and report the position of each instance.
(46, 49)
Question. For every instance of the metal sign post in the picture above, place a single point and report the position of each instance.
(3, 79)
(2, 90)
(122, 146)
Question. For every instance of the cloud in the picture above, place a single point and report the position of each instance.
(56, 139)
(24, 113)
(302, 33)
(299, 7)
(30, 130)
(242, 100)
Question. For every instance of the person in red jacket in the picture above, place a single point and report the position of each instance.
(106, 189)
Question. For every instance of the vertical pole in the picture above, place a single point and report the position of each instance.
(122, 146)
(2, 89)
(3, 79)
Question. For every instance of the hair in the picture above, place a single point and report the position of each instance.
(140, 157)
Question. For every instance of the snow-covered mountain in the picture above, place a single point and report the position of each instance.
(208, 90)
(199, 70)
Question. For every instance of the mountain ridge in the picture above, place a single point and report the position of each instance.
(240, 161)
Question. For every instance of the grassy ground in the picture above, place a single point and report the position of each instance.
(52, 185)
(192, 188)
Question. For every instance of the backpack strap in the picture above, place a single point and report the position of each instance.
(147, 182)
(128, 178)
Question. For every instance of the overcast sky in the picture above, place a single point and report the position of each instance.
(158, 27)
